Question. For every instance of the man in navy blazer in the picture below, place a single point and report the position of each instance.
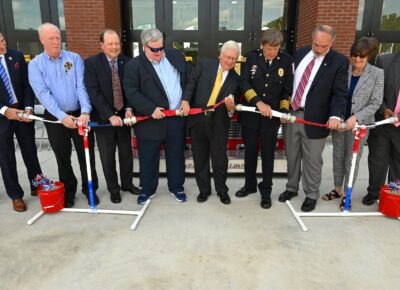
(153, 82)
(21, 101)
(101, 89)
(320, 96)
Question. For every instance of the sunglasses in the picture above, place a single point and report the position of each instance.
(359, 55)
(153, 49)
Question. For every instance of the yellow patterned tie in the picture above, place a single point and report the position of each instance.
(216, 89)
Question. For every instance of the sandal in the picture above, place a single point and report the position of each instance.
(342, 203)
(331, 195)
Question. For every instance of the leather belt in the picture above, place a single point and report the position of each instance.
(209, 113)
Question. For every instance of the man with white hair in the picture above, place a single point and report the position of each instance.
(56, 77)
(212, 81)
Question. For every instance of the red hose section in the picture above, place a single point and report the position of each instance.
(301, 121)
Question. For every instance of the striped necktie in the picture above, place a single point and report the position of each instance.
(296, 104)
(6, 81)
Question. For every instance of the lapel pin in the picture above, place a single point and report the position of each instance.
(10, 58)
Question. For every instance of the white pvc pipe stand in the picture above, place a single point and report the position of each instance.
(139, 213)
(298, 215)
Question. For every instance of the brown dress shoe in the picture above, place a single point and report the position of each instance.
(19, 205)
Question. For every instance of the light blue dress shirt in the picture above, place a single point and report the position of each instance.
(58, 83)
(171, 81)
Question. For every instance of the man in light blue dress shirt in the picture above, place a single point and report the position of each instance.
(56, 77)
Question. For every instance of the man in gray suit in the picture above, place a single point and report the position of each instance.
(384, 141)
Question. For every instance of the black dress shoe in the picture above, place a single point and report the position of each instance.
(95, 197)
(308, 204)
(286, 195)
(245, 191)
(370, 199)
(115, 197)
(224, 197)
(266, 202)
(132, 189)
(202, 197)
(69, 203)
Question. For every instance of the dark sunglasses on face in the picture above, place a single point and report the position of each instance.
(359, 55)
(153, 49)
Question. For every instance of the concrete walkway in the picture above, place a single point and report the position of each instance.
(197, 246)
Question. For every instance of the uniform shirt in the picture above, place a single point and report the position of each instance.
(58, 83)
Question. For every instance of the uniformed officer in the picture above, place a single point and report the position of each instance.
(267, 82)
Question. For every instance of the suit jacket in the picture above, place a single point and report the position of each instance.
(390, 63)
(200, 85)
(368, 94)
(328, 92)
(145, 92)
(98, 81)
(18, 71)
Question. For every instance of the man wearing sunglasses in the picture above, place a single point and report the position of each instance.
(154, 82)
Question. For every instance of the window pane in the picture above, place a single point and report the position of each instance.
(274, 14)
(390, 20)
(143, 14)
(61, 18)
(389, 48)
(361, 6)
(26, 14)
(185, 15)
(135, 49)
(30, 49)
(231, 15)
(189, 49)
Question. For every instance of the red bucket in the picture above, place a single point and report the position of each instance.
(52, 200)
(389, 203)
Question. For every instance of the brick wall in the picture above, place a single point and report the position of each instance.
(340, 14)
(84, 20)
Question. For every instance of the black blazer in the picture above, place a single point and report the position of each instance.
(390, 63)
(98, 81)
(200, 85)
(328, 92)
(18, 71)
(145, 92)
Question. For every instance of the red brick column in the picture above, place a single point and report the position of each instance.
(340, 14)
(84, 20)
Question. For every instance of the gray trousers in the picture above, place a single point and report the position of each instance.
(304, 158)
(343, 143)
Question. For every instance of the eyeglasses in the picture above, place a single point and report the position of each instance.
(359, 55)
(153, 49)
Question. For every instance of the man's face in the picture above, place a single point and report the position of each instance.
(228, 59)
(3, 44)
(154, 50)
(111, 45)
(269, 51)
(51, 41)
(322, 42)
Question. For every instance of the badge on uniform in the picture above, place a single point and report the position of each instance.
(281, 72)
(253, 70)
(67, 66)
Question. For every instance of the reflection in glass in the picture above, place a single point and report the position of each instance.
(185, 15)
(274, 14)
(390, 20)
(142, 14)
(26, 14)
(30, 48)
(231, 15)
(189, 49)
(135, 49)
(361, 6)
(389, 48)
(61, 18)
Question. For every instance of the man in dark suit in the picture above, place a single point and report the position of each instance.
(267, 83)
(104, 73)
(212, 81)
(16, 96)
(384, 141)
(319, 95)
(154, 81)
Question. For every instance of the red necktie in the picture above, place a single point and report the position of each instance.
(116, 86)
(302, 85)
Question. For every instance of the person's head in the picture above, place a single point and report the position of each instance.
(363, 50)
(323, 37)
(50, 37)
(3, 44)
(271, 41)
(110, 43)
(230, 52)
(153, 43)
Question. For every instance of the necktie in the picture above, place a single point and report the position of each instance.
(216, 89)
(397, 109)
(116, 86)
(6, 81)
(302, 85)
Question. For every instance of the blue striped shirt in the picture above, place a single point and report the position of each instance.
(58, 83)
